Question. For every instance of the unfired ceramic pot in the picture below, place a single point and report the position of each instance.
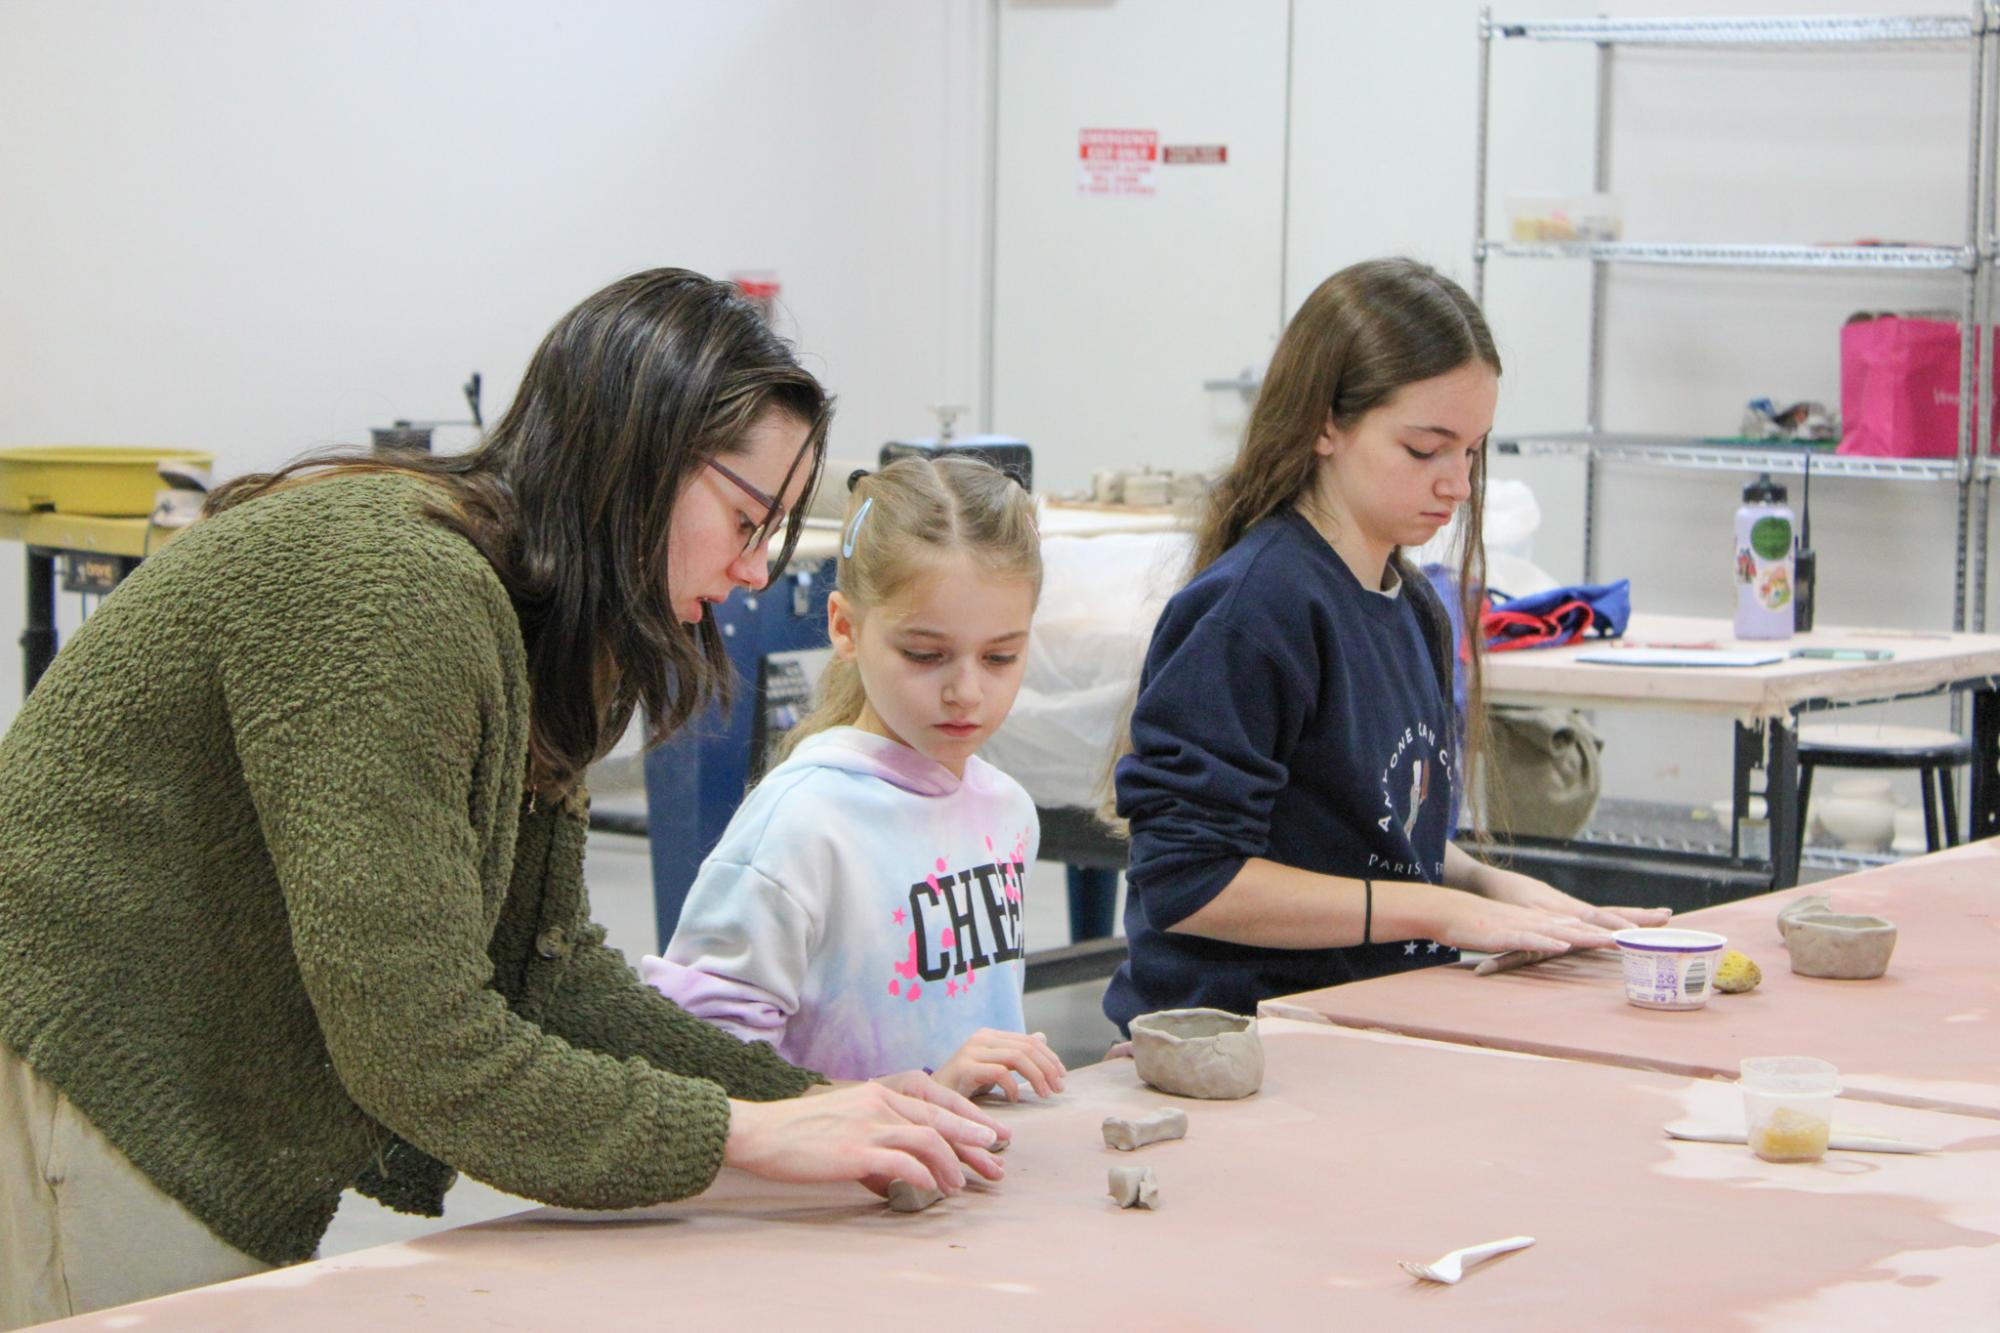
(1199, 1053)
(1806, 904)
(1838, 946)
(1860, 824)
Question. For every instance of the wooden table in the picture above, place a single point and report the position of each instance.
(1764, 702)
(1926, 1034)
(1285, 1210)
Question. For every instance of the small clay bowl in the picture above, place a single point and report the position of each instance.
(1207, 1053)
(1839, 947)
(1806, 904)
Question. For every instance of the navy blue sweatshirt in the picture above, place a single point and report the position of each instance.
(1285, 712)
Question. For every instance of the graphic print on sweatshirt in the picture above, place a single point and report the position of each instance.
(862, 911)
(959, 922)
(1415, 777)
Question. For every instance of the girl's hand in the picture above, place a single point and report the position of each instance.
(1508, 886)
(871, 1133)
(988, 1055)
(1470, 921)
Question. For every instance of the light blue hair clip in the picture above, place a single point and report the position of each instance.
(854, 528)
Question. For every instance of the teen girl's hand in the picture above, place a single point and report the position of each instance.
(868, 1132)
(1467, 920)
(989, 1054)
(1508, 886)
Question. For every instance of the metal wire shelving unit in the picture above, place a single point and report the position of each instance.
(1977, 35)
(1723, 455)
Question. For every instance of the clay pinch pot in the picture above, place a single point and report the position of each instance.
(1806, 904)
(1207, 1053)
(1837, 946)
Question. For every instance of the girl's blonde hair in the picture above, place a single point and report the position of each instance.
(902, 524)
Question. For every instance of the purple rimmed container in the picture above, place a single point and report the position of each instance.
(1667, 967)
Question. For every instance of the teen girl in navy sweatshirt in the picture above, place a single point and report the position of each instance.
(1292, 786)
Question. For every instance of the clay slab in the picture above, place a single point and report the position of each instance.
(1928, 1034)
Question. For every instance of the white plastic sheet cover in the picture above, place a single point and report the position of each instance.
(1100, 599)
(1512, 517)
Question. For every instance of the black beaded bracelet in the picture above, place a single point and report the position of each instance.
(1368, 911)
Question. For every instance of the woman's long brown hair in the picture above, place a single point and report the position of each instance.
(571, 494)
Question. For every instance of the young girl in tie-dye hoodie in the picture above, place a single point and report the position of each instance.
(862, 912)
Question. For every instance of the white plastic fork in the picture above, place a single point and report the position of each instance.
(1452, 1266)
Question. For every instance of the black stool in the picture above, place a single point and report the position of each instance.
(1932, 753)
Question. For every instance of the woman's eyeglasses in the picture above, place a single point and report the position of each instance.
(770, 503)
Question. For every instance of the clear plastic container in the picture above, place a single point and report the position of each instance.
(1788, 1106)
(1563, 217)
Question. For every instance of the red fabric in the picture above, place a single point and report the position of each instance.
(1505, 630)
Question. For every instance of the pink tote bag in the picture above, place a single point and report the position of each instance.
(1899, 387)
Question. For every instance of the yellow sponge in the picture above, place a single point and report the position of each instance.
(1736, 973)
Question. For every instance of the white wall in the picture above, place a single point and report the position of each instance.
(1111, 311)
(256, 226)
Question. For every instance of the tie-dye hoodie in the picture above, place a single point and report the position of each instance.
(862, 911)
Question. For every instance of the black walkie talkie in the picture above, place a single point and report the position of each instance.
(1805, 564)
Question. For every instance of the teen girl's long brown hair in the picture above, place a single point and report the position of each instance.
(571, 494)
(1363, 334)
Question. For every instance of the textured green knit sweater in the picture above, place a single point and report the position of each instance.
(272, 914)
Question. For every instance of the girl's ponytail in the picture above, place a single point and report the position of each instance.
(838, 701)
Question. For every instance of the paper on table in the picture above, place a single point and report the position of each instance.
(1679, 657)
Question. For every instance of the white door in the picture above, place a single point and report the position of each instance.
(1139, 246)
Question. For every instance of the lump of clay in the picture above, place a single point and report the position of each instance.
(1129, 1135)
(1737, 973)
(1839, 947)
(907, 1198)
(1134, 1186)
(1199, 1052)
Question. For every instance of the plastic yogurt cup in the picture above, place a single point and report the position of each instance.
(1669, 968)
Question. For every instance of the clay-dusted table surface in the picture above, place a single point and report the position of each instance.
(1926, 1034)
(1285, 1210)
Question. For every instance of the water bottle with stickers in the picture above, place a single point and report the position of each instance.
(1765, 577)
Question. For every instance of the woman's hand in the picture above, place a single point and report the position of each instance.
(1509, 886)
(925, 1088)
(988, 1055)
(870, 1132)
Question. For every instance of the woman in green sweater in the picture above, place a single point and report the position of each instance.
(291, 837)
